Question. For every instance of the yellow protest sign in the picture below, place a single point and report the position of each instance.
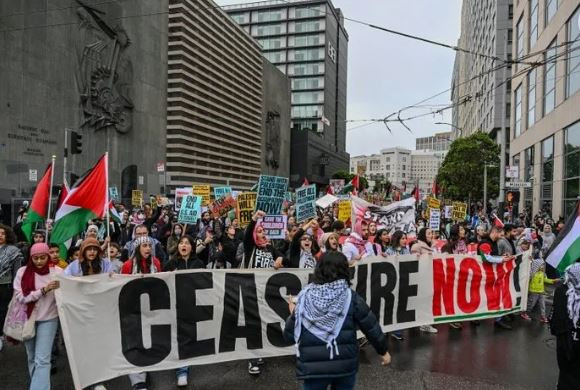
(459, 211)
(137, 198)
(433, 203)
(344, 210)
(245, 208)
(204, 191)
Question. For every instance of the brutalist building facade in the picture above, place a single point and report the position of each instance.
(308, 42)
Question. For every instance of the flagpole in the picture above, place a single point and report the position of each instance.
(50, 196)
(107, 205)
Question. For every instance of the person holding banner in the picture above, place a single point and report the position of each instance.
(356, 245)
(383, 240)
(423, 244)
(398, 244)
(185, 257)
(89, 261)
(33, 286)
(323, 325)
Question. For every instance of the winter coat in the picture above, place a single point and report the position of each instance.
(293, 259)
(421, 248)
(314, 360)
(177, 263)
(255, 257)
(230, 246)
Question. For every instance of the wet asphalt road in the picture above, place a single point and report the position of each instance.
(473, 358)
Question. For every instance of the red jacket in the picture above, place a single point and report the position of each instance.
(128, 266)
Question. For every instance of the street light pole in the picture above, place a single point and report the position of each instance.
(485, 188)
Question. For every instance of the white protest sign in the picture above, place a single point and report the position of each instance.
(434, 219)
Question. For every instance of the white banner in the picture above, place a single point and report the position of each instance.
(395, 216)
(121, 324)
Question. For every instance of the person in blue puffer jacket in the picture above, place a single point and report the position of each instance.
(323, 326)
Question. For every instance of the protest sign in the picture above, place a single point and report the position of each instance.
(246, 206)
(137, 198)
(459, 211)
(434, 219)
(344, 210)
(305, 203)
(220, 192)
(275, 226)
(271, 193)
(326, 201)
(396, 216)
(179, 194)
(114, 194)
(448, 212)
(337, 185)
(222, 205)
(167, 320)
(190, 210)
(204, 191)
(433, 203)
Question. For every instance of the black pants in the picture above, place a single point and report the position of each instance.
(5, 297)
(568, 363)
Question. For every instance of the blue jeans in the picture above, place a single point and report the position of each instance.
(182, 371)
(38, 351)
(343, 383)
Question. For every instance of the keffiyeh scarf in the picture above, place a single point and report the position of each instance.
(572, 281)
(322, 309)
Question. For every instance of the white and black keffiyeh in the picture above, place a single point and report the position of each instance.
(535, 267)
(572, 280)
(322, 309)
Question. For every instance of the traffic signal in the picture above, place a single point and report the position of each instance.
(76, 143)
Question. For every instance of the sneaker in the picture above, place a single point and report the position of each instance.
(501, 324)
(99, 387)
(525, 316)
(544, 320)
(397, 336)
(260, 362)
(182, 380)
(428, 329)
(456, 325)
(253, 369)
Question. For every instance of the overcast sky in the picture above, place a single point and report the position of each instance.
(388, 72)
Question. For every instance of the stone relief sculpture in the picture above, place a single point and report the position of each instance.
(104, 72)
(272, 139)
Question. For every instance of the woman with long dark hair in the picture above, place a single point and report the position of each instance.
(424, 241)
(323, 325)
(89, 261)
(185, 257)
(383, 240)
(398, 244)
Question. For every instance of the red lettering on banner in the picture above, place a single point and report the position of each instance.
(443, 283)
(497, 287)
(469, 305)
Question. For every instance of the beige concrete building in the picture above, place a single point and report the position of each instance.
(424, 167)
(545, 118)
(214, 98)
(392, 164)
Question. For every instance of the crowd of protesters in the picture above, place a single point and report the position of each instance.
(150, 239)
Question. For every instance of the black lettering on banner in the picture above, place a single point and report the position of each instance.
(279, 304)
(189, 314)
(516, 279)
(361, 281)
(131, 325)
(406, 290)
(379, 292)
(230, 330)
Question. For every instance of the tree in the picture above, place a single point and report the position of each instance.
(363, 183)
(461, 174)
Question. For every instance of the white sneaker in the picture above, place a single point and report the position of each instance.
(99, 387)
(182, 380)
(428, 329)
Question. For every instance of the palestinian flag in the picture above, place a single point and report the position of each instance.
(64, 190)
(305, 182)
(113, 213)
(39, 205)
(86, 200)
(566, 248)
(352, 186)
(497, 222)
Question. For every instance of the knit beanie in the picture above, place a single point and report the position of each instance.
(88, 243)
(39, 248)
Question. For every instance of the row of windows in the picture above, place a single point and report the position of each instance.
(295, 55)
(292, 41)
(291, 27)
(307, 97)
(280, 14)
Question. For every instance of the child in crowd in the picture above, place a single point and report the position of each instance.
(536, 294)
(115, 257)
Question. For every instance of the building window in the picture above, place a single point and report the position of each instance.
(510, 11)
(269, 16)
(531, 97)
(528, 174)
(375, 165)
(306, 40)
(241, 18)
(268, 29)
(388, 167)
(573, 66)
(306, 54)
(307, 97)
(550, 78)
(547, 173)
(520, 39)
(275, 56)
(272, 43)
(518, 111)
(533, 37)
(571, 167)
(551, 8)
(308, 83)
(307, 111)
(308, 12)
(305, 69)
(315, 126)
(309, 26)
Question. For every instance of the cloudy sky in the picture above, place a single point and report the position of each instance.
(388, 72)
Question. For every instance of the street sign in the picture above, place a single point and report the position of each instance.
(512, 172)
(518, 184)
(160, 167)
(33, 175)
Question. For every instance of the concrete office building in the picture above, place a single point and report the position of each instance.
(96, 67)
(438, 142)
(545, 119)
(480, 103)
(392, 164)
(306, 40)
(424, 167)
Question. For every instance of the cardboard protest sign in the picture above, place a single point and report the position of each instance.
(275, 226)
(435, 219)
(271, 193)
(166, 320)
(344, 210)
(190, 210)
(179, 194)
(337, 185)
(222, 205)
(137, 198)
(204, 191)
(246, 206)
(448, 212)
(114, 194)
(220, 192)
(459, 211)
(396, 216)
(326, 201)
(433, 203)
(305, 203)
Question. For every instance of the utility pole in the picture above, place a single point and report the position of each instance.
(503, 124)
(66, 130)
(485, 188)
